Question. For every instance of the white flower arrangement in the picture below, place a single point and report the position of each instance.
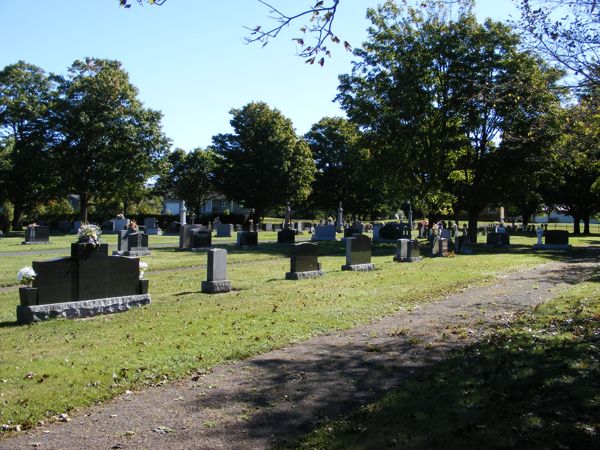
(89, 234)
(143, 268)
(26, 275)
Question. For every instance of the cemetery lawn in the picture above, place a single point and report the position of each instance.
(534, 384)
(55, 366)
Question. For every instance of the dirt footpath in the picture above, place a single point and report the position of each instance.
(285, 393)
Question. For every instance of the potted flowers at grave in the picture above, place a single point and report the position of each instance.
(88, 242)
(143, 283)
(27, 294)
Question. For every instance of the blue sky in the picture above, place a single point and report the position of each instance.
(188, 58)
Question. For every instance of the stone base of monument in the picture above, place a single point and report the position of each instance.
(132, 253)
(359, 267)
(410, 259)
(304, 275)
(552, 246)
(216, 287)
(81, 309)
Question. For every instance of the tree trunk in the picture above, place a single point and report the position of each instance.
(125, 208)
(83, 207)
(586, 224)
(473, 216)
(17, 216)
(576, 219)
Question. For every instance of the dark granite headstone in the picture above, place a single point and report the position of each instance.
(304, 261)
(358, 253)
(286, 236)
(186, 235)
(556, 237)
(201, 238)
(247, 238)
(37, 234)
(132, 243)
(216, 281)
(498, 239)
(393, 231)
(89, 282)
(90, 270)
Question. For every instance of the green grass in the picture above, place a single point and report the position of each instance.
(535, 384)
(55, 366)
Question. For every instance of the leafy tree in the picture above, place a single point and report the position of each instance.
(343, 165)
(190, 177)
(435, 96)
(25, 101)
(108, 143)
(578, 164)
(567, 32)
(263, 164)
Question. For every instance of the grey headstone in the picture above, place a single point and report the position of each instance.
(216, 281)
(224, 229)
(38, 234)
(324, 233)
(408, 250)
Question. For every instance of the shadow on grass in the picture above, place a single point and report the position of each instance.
(10, 324)
(522, 388)
(517, 391)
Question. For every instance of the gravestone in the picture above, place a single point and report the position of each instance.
(132, 244)
(247, 238)
(108, 226)
(151, 226)
(439, 246)
(267, 227)
(391, 232)
(194, 237)
(120, 223)
(498, 239)
(286, 236)
(86, 284)
(324, 233)
(446, 233)
(216, 273)
(408, 250)
(304, 262)
(358, 253)
(555, 240)
(37, 234)
(224, 229)
(356, 228)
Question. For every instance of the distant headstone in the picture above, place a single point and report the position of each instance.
(267, 227)
(151, 226)
(408, 250)
(120, 223)
(498, 239)
(339, 222)
(555, 240)
(247, 238)
(216, 279)
(86, 284)
(286, 236)
(194, 237)
(439, 246)
(224, 229)
(356, 228)
(392, 231)
(324, 233)
(358, 253)
(132, 244)
(37, 234)
(304, 262)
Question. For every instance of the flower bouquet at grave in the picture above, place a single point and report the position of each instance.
(26, 276)
(89, 235)
(143, 268)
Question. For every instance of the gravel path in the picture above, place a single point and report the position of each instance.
(285, 393)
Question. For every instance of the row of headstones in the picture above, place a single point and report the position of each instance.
(304, 261)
